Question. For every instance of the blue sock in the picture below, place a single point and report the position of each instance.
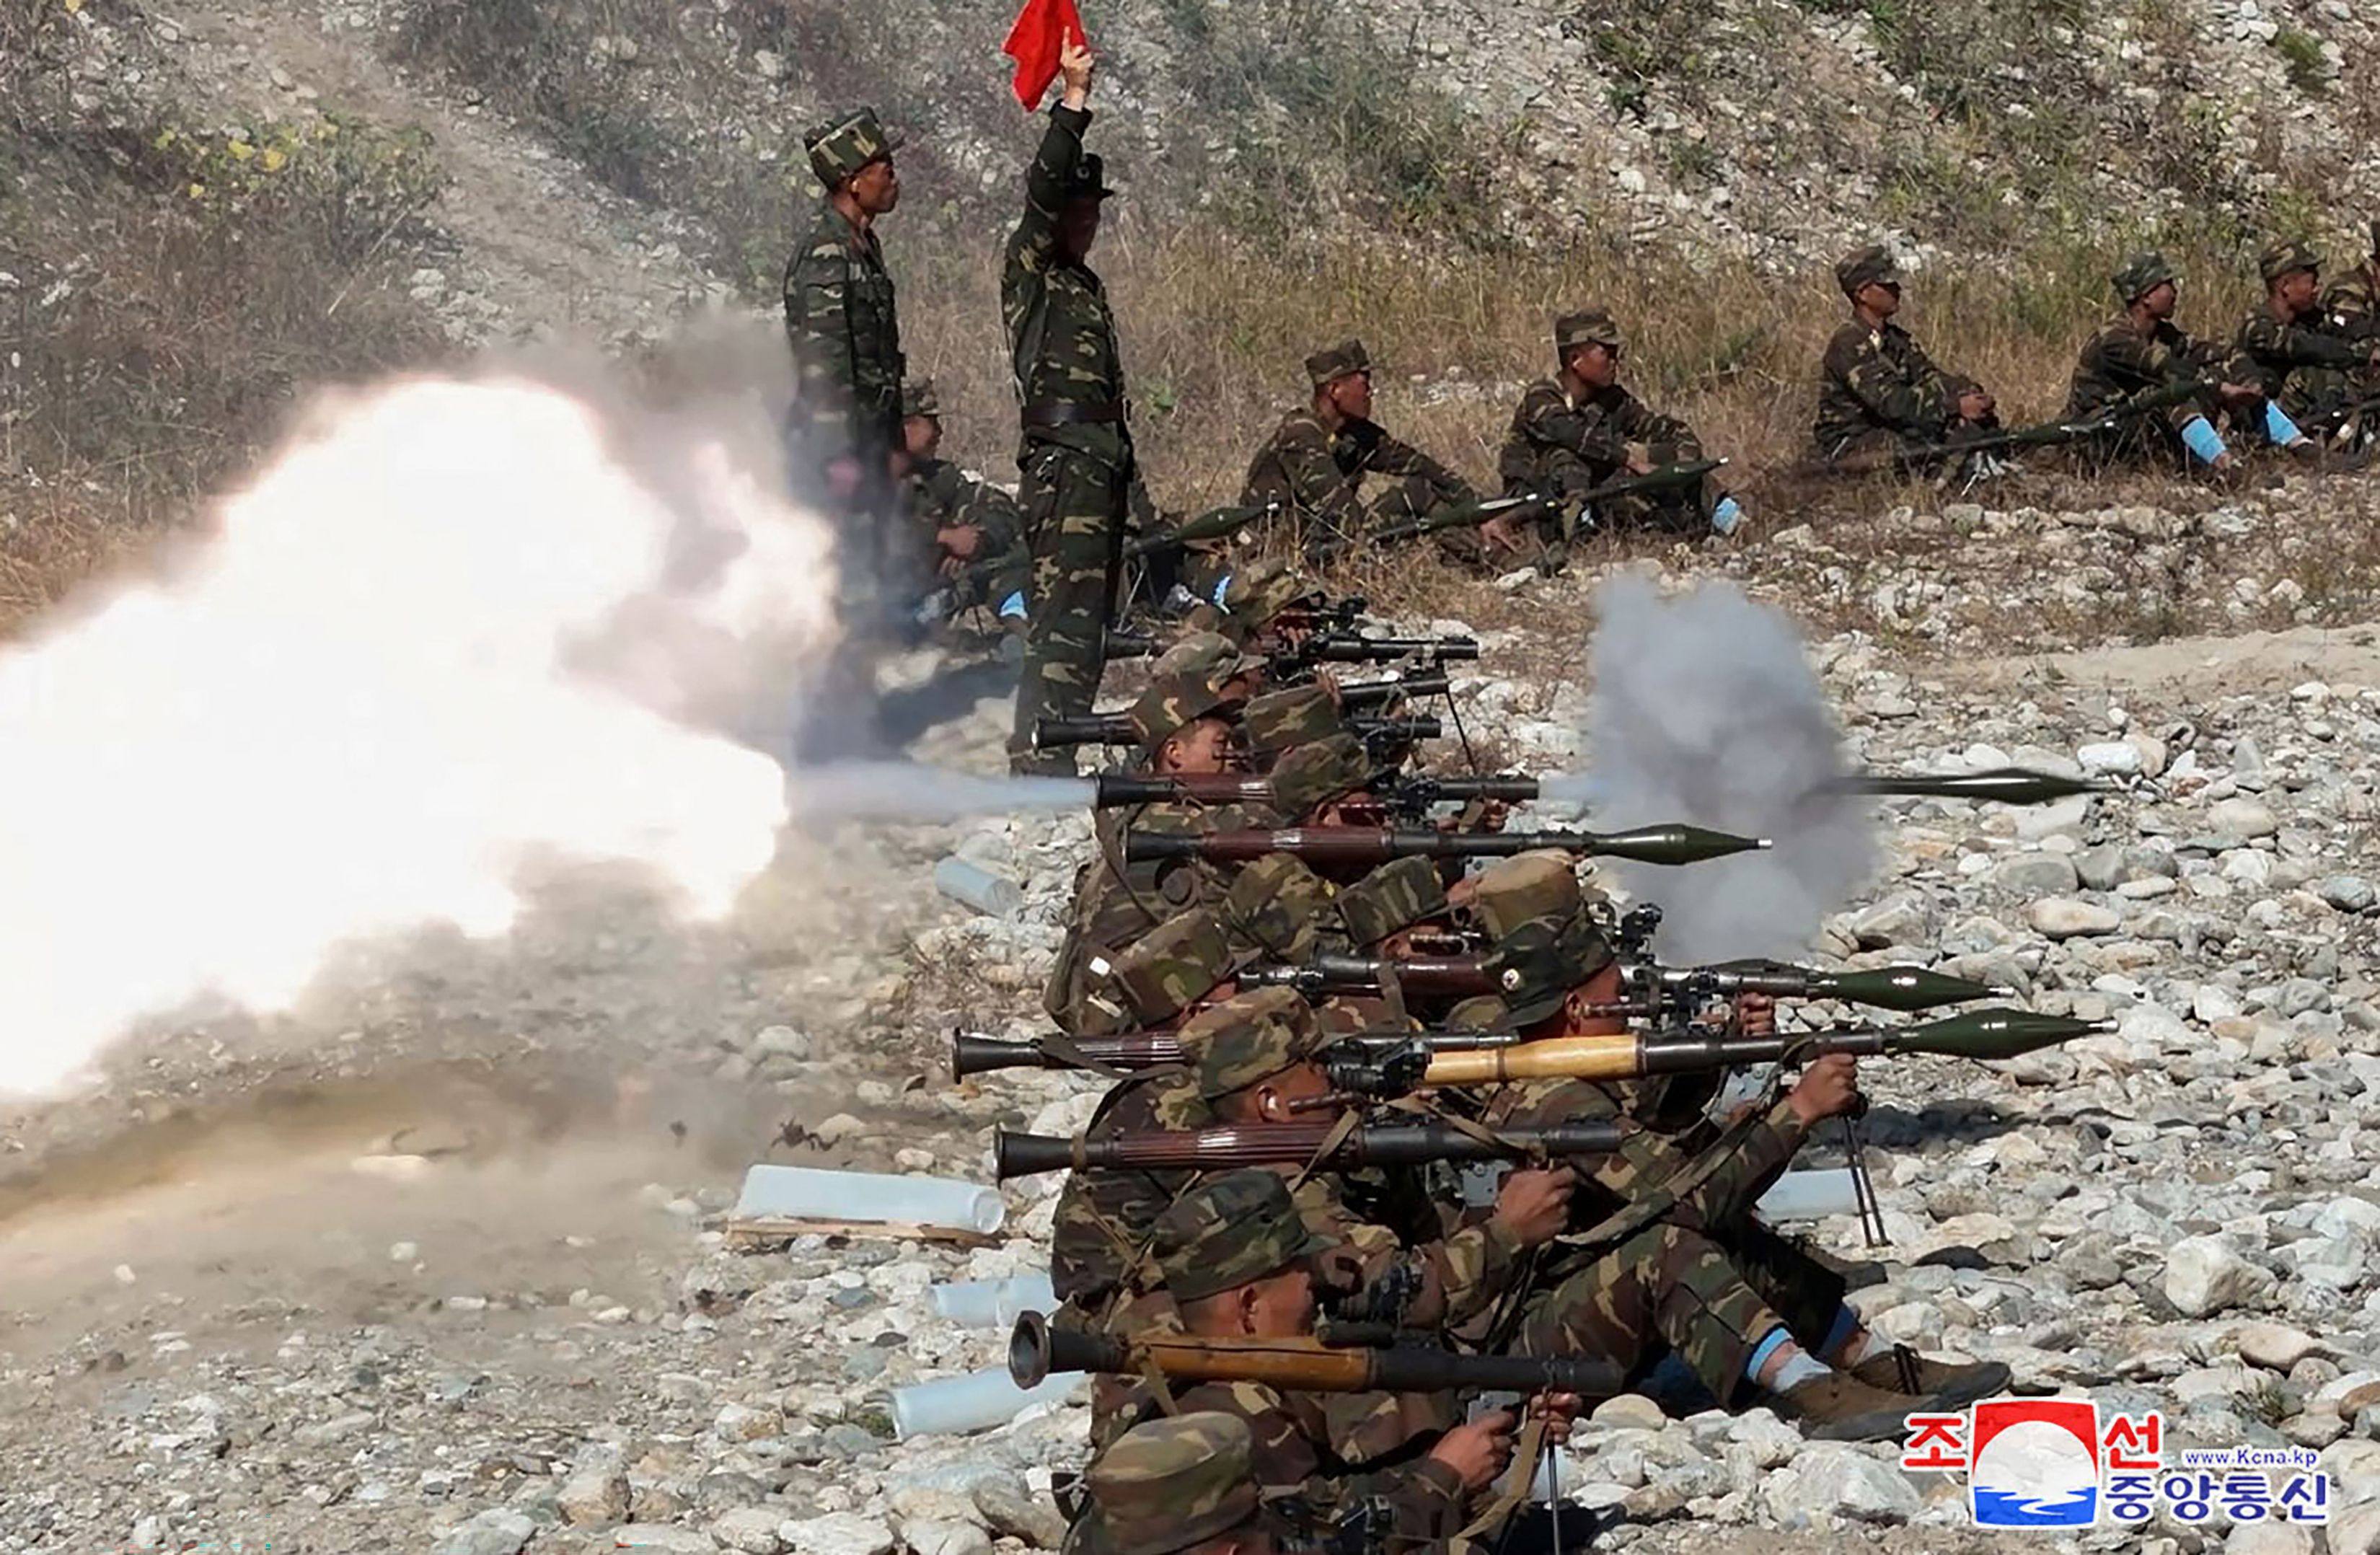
(2205, 444)
(2278, 427)
(1778, 1337)
(1840, 1332)
(1726, 515)
(1013, 606)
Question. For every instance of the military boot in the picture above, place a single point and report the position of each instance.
(1840, 1407)
(1904, 1370)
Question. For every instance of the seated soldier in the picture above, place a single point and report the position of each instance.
(1674, 1260)
(1879, 395)
(2144, 355)
(1236, 1256)
(2309, 377)
(978, 537)
(1579, 429)
(1179, 1486)
(1315, 462)
(2350, 306)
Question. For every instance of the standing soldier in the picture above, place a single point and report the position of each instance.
(2302, 370)
(2142, 354)
(1078, 475)
(1580, 428)
(1315, 462)
(979, 540)
(1879, 394)
(839, 310)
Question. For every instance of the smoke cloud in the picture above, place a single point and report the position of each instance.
(1706, 712)
(454, 626)
(901, 790)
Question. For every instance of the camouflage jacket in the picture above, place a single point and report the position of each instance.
(2350, 308)
(1319, 1447)
(847, 340)
(1112, 909)
(2119, 365)
(1099, 1241)
(1558, 444)
(1317, 473)
(2270, 350)
(945, 496)
(1652, 1176)
(1061, 339)
(1880, 380)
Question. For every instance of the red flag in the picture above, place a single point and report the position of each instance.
(1043, 30)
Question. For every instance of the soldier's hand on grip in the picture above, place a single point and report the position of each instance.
(1479, 1451)
(1828, 1089)
(1533, 1205)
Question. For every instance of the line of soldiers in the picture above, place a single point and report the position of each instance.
(1650, 1251)
(2305, 372)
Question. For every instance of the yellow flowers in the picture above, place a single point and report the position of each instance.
(274, 159)
(198, 192)
(73, 5)
(238, 150)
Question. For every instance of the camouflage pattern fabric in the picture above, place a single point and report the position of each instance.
(1170, 1485)
(2305, 368)
(1316, 474)
(1174, 702)
(841, 324)
(940, 495)
(1539, 963)
(1280, 910)
(1273, 1030)
(1162, 974)
(1113, 910)
(1510, 891)
(2119, 364)
(1313, 774)
(841, 147)
(1401, 894)
(1317, 1448)
(2351, 305)
(1858, 268)
(1281, 721)
(1558, 444)
(1079, 479)
(1878, 390)
(1230, 1230)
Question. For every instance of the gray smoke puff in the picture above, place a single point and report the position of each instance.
(1706, 712)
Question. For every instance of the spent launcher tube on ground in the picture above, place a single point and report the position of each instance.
(1321, 1144)
(1366, 847)
(1035, 1351)
(1979, 1034)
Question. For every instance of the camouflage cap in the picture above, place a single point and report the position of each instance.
(1257, 593)
(918, 398)
(1276, 908)
(1208, 654)
(1173, 703)
(841, 147)
(1537, 964)
(2290, 254)
(1394, 897)
(1317, 772)
(1510, 891)
(1281, 721)
(1229, 1231)
(1172, 1484)
(1257, 1042)
(1589, 326)
(2141, 274)
(1334, 362)
(1874, 263)
(1160, 975)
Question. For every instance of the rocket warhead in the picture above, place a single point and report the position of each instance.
(2006, 785)
(1906, 989)
(1672, 845)
(1988, 1034)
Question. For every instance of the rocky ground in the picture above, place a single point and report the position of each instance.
(438, 1261)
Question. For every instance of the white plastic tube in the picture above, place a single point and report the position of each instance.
(807, 1193)
(993, 1304)
(978, 887)
(977, 1401)
(1810, 1195)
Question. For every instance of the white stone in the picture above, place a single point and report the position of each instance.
(499, 1531)
(1830, 1481)
(2274, 1346)
(2110, 759)
(837, 1533)
(750, 1529)
(927, 1537)
(2204, 1275)
(2063, 918)
(595, 1496)
(1625, 1410)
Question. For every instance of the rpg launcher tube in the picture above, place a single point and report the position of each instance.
(1289, 1143)
(1115, 728)
(2006, 785)
(1978, 1034)
(1428, 976)
(1904, 989)
(1036, 1350)
(975, 1054)
(1116, 790)
(1348, 647)
(1360, 846)
(1379, 693)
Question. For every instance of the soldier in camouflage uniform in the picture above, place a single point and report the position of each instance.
(1184, 1485)
(1315, 462)
(978, 537)
(840, 317)
(1879, 394)
(2144, 353)
(1079, 478)
(1237, 1256)
(2350, 306)
(1668, 1256)
(1579, 429)
(2307, 375)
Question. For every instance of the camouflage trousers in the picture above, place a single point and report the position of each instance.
(1074, 507)
(1668, 1288)
(2318, 398)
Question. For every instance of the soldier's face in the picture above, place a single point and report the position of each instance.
(2161, 299)
(921, 435)
(1353, 395)
(1280, 1306)
(2297, 289)
(1597, 367)
(1079, 228)
(877, 187)
(1204, 746)
(1881, 298)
